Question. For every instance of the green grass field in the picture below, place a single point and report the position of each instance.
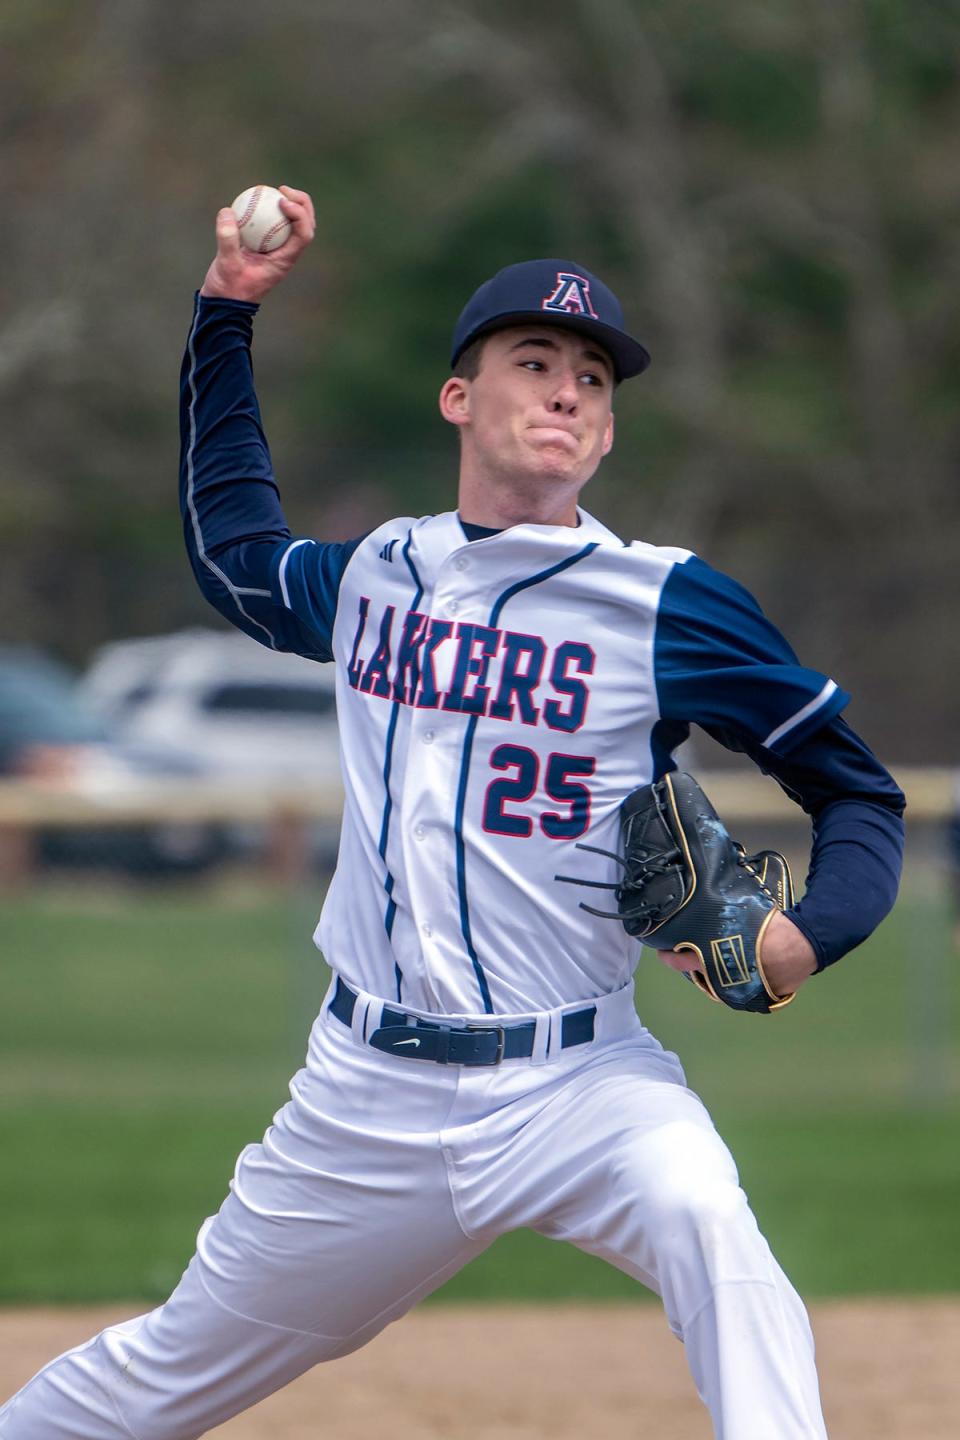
(149, 1034)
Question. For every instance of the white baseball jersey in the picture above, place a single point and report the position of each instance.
(497, 700)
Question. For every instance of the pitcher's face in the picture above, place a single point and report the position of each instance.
(539, 406)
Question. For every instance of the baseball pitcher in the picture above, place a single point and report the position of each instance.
(513, 679)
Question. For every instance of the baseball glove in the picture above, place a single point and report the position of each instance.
(687, 886)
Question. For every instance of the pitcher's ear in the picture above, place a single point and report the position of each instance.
(455, 400)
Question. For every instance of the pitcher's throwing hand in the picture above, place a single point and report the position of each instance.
(236, 273)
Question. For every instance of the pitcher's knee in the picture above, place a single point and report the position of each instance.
(712, 1206)
(704, 1237)
(172, 1384)
(689, 1185)
(690, 1206)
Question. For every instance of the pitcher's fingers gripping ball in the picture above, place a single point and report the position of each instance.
(260, 219)
(239, 272)
(688, 887)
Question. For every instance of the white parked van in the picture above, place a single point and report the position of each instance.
(242, 711)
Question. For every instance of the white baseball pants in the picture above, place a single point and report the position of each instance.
(382, 1176)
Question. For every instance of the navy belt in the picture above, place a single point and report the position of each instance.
(419, 1039)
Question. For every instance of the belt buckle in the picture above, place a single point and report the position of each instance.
(500, 1033)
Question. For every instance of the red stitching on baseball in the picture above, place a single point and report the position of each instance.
(277, 225)
(252, 204)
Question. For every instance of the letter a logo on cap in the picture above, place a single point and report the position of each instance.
(571, 297)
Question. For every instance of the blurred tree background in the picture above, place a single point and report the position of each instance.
(770, 185)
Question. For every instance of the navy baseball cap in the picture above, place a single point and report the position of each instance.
(551, 292)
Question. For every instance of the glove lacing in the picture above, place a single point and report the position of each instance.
(647, 863)
(650, 863)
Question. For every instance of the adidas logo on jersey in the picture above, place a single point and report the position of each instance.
(387, 552)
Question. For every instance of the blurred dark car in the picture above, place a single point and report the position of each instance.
(49, 736)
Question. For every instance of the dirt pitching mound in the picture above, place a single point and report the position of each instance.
(888, 1369)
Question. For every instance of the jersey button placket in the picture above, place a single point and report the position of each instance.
(428, 780)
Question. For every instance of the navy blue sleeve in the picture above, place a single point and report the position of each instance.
(718, 661)
(857, 812)
(279, 590)
(721, 664)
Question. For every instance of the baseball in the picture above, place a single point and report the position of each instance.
(263, 225)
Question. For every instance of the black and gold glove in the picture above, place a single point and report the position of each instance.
(687, 886)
